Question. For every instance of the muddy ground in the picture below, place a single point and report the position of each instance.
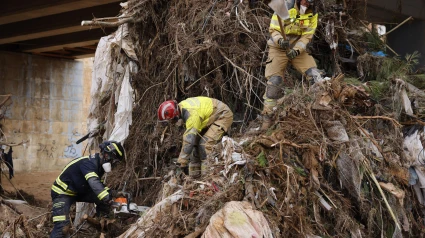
(35, 188)
(33, 183)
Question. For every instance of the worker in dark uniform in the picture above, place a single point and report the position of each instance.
(9, 162)
(80, 181)
(7, 159)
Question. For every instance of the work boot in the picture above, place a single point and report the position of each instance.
(204, 167)
(182, 166)
(194, 169)
(267, 123)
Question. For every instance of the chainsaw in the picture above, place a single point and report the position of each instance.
(123, 207)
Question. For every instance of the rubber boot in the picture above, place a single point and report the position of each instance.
(267, 123)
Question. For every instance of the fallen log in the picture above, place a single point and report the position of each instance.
(92, 221)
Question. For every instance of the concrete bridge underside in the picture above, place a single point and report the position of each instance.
(52, 27)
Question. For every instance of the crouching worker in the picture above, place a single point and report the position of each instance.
(80, 181)
(206, 120)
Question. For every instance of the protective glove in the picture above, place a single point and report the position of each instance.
(116, 193)
(103, 209)
(108, 199)
(284, 44)
(292, 54)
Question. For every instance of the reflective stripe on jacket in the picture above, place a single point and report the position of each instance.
(80, 176)
(296, 24)
(303, 26)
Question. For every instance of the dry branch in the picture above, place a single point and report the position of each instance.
(6, 99)
(395, 122)
(150, 178)
(402, 23)
(197, 233)
(117, 23)
(22, 221)
(390, 210)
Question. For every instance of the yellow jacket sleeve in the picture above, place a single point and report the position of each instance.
(301, 44)
(275, 35)
(304, 26)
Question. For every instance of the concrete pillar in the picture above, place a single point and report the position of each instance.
(49, 108)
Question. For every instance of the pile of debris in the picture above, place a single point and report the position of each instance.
(324, 169)
(339, 161)
(336, 163)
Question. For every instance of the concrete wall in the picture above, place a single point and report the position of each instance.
(408, 38)
(49, 108)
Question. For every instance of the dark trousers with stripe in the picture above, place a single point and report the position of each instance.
(61, 206)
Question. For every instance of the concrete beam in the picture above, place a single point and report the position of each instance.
(55, 24)
(414, 8)
(79, 49)
(71, 53)
(71, 40)
(61, 46)
(60, 31)
(381, 16)
(55, 55)
(11, 11)
(84, 56)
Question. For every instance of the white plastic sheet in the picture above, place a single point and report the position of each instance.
(238, 220)
(229, 155)
(123, 116)
(152, 215)
(111, 66)
(413, 149)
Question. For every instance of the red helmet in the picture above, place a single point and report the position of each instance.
(168, 110)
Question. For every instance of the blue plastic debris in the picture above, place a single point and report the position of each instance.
(378, 53)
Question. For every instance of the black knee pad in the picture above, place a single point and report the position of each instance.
(275, 89)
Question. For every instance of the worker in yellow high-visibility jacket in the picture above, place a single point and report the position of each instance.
(206, 120)
(299, 30)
